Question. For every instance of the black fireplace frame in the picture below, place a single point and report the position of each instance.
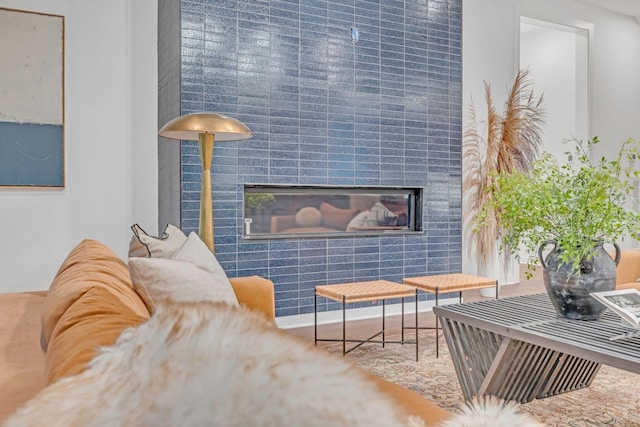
(278, 211)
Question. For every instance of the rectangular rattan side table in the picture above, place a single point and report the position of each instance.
(444, 283)
(365, 291)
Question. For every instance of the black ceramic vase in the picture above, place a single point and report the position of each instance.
(569, 293)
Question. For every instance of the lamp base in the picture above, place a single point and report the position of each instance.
(206, 205)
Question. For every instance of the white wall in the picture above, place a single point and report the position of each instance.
(490, 52)
(111, 109)
(110, 142)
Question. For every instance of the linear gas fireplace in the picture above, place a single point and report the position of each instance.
(285, 211)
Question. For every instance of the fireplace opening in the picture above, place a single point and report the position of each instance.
(285, 211)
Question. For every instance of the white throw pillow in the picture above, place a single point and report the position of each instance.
(383, 216)
(197, 253)
(156, 278)
(377, 216)
(144, 245)
(358, 221)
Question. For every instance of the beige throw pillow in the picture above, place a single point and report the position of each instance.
(377, 216)
(156, 279)
(197, 253)
(144, 245)
(383, 216)
(192, 274)
(360, 220)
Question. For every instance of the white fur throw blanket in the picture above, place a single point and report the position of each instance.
(209, 364)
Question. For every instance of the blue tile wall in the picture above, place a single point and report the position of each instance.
(327, 110)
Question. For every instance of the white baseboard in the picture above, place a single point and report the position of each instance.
(335, 316)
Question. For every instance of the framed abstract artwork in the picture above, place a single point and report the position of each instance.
(31, 99)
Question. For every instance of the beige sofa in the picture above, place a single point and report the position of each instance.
(26, 320)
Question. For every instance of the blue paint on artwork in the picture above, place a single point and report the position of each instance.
(31, 155)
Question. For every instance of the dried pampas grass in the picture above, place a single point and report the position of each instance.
(512, 142)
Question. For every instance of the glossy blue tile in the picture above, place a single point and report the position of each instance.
(387, 111)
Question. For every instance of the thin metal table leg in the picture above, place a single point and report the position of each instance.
(402, 321)
(417, 324)
(437, 335)
(383, 325)
(497, 289)
(315, 318)
(344, 326)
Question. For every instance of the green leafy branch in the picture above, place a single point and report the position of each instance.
(577, 205)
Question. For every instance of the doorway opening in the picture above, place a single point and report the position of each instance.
(558, 59)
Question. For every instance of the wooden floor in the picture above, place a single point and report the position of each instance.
(360, 329)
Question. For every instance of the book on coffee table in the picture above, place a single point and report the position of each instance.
(624, 302)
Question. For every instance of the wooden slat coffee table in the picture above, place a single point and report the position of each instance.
(365, 291)
(520, 349)
(445, 283)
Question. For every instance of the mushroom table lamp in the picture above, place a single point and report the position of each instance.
(205, 127)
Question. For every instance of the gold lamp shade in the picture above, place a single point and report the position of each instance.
(190, 126)
(204, 127)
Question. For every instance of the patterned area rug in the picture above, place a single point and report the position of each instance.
(612, 400)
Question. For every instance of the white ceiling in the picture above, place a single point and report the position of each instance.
(625, 7)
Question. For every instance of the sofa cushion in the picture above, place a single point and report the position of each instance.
(21, 360)
(90, 264)
(144, 245)
(94, 320)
